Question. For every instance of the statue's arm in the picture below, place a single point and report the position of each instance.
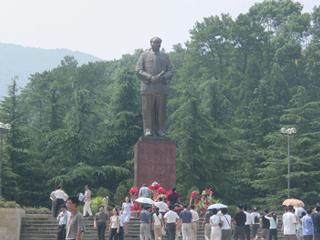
(169, 73)
(143, 75)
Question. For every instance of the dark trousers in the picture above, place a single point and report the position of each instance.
(273, 232)
(120, 234)
(101, 230)
(171, 231)
(239, 231)
(58, 202)
(113, 234)
(61, 232)
(247, 231)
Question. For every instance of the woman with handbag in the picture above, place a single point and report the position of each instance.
(215, 223)
(226, 230)
(157, 223)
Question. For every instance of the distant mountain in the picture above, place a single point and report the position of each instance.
(16, 60)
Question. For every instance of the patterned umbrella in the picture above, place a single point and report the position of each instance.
(293, 202)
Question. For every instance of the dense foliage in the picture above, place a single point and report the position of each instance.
(237, 83)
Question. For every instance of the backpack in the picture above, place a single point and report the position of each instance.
(256, 219)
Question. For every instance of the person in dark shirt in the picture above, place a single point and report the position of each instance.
(316, 223)
(186, 219)
(173, 197)
(240, 219)
(265, 226)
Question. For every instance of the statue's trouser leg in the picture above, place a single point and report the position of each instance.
(160, 112)
(148, 102)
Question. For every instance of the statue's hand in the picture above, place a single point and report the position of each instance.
(153, 80)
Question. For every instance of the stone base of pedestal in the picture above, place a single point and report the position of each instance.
(155, 161)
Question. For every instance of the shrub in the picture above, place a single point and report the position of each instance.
(121, 193)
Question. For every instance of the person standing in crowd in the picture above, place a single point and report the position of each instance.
(316, 223)
(122, 217)
(114, 226)
(195, 223)
(75, 222)
(215, 222)
(101, 221)
(265, 223)
(255, 217)
(145, 191)
(226, 230)
(61, 197)
(157, 222)
(171, 219)
(248, 224)
(288, 224)
(126, 213)
(145, 220)
(307, 226)
(87, 202)
(62, 218)
(163, 207)
(186, 219)
(173, 197)
(272, 217)
(240, 219)
(206, 225)
(178, 209)
(53, 198)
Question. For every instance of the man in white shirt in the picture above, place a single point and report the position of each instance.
(289, 221)
(248, 224)
(195, 223)
(255, 217)
(171, 219)
(163, 207)
(61, 197)
(87, 202)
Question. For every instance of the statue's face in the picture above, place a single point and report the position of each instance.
(155, 44)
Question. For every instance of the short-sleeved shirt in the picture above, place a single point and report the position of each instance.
(163, 207)
(186, 216)
(215, 219)
(63, 218)
(195, 215)
(171, 216)
(144, 192)
(248, 218)
(173, 197)
(75, 224)
(145, 217)
(52, 195)
(101, 217)
(240, 218)
(316, 222)
(307, 226)
(122, 218)
(226, 219)
(265, 223)
(255, 217)
(288, 223)
(86, 193)
(126, 208)
(208, 216)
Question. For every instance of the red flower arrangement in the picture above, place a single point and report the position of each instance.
(133, 208)
(193, 194)
(206, 202)
(168, 192)
(201, 210)
(161, 190)
(209, 191)
(133, 191)
(197, 201)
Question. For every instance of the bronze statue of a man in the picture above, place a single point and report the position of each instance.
(155, 70)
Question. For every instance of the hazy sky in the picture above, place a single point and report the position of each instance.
(109, 28)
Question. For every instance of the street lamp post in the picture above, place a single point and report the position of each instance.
(290, 132)
(3, 127)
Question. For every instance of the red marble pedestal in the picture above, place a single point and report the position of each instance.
(155, 161)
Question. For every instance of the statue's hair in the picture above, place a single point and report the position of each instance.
(156, 38)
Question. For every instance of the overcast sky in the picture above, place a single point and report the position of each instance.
(110, 28)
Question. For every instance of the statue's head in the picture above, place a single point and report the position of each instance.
(155, 43)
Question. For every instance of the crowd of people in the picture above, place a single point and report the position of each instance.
(173, 219)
